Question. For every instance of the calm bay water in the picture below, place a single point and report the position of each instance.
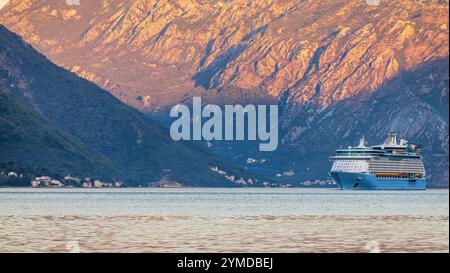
(223, 220)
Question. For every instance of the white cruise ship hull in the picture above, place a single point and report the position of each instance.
(365, 181)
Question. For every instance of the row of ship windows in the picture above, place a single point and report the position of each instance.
(349, 162)
(371, 165)
(399, 171)
(346, 168)
(396, 169)
(396, 163)
(349, 166)
(396, 166)
(384, 162)
(415, 176)
(397, 159)
(389, 164)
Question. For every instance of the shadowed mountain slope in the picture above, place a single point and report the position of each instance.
(31, 140)
(140, 148)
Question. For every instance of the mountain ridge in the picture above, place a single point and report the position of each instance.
(150, 54)
(309, 57)
(139, 147)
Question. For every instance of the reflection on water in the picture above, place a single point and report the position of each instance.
(222, 220)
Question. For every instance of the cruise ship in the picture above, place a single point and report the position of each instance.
(393, 165)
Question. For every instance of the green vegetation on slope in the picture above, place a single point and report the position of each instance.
(139, 147)
(29, 139)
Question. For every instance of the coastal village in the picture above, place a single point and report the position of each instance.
(69, 181)
(66, 182)
(290, 173)
(47, 181)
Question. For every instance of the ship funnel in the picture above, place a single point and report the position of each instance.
(392, 139)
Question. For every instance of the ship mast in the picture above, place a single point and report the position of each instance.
(362, 143)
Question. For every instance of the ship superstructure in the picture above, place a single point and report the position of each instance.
(393, 165)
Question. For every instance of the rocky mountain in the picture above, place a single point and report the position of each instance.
(52, 118)
(148, 53)
(338, 69)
